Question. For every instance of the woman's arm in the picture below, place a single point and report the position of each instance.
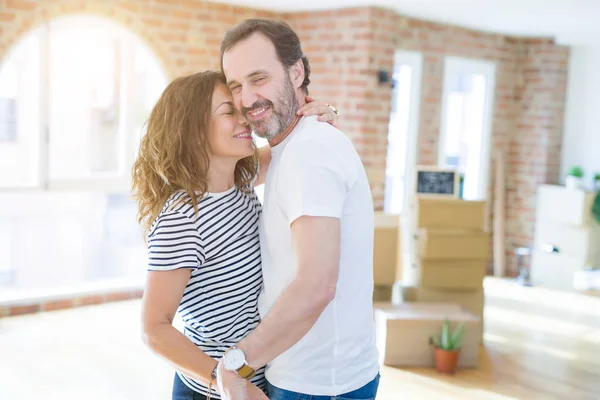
(325, 112)
(162, 295)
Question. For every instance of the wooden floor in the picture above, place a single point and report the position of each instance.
(538, 345)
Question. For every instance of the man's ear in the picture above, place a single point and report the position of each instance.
(297, 74)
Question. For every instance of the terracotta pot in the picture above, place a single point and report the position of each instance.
(446, 361)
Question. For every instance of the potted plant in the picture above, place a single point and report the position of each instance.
(596, 207)
(597, 181)
(447, 347)
(574, 178)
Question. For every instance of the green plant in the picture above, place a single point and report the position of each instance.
(597, 176)
(449, 340)
(576, 171)
(596, 207)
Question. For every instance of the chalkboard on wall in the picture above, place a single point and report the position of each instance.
(438, 182)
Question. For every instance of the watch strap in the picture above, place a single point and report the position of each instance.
(246, 372)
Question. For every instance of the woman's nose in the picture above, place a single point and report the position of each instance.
(241, 120)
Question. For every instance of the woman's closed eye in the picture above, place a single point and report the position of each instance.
(231, 112)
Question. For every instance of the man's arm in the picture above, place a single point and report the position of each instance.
(316, 242)
(315, 183)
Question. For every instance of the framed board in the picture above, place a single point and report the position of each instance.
(437, 182)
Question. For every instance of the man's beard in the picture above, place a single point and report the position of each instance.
(282, 116)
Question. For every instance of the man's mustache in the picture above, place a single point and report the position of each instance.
(255, 106)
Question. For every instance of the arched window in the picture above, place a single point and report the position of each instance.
(74, 95)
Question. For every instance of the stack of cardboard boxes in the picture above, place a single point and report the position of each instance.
(567, 237)
(438, 264)
(447, 258)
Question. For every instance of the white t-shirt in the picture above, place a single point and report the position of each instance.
(315, 171)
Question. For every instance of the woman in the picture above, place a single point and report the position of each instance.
(194, 183)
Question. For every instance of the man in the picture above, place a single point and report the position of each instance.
(316, 336)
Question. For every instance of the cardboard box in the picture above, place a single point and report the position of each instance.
(382, 293)
(445, 274)
(440, 213)
(403, 332)
(385, 248)
(470, 300)
(432, 244)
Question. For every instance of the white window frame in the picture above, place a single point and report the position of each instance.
(454, 65)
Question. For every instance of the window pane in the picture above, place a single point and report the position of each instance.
(20, 124)
(6, 256)
(84, 100)
(149, 81)
(464, 128)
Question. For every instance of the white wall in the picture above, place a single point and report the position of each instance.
(581, 140)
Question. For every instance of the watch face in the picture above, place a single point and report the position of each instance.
(234, 359)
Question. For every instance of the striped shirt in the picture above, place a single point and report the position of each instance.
(222, 247)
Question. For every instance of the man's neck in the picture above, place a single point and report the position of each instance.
(301, 99)
(274, 141)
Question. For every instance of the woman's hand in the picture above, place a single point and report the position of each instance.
(326, 112)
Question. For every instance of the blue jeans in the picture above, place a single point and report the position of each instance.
(182, 392)
(367, 392)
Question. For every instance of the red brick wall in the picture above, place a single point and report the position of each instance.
(346, 48)
(34, 305)
(184, 34)
(535, 148)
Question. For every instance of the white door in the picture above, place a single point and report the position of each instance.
(403, 130)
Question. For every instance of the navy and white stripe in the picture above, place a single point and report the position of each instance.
(222, 247)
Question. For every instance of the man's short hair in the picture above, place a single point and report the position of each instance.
(286, 42)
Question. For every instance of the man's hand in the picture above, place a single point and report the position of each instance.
(254, 393)
(233, 387)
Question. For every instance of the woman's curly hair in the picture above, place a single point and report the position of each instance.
(174, 153)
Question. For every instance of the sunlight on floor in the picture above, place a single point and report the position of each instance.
(543, 324)
(556, 300)
(534, 347)
(96, 353)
